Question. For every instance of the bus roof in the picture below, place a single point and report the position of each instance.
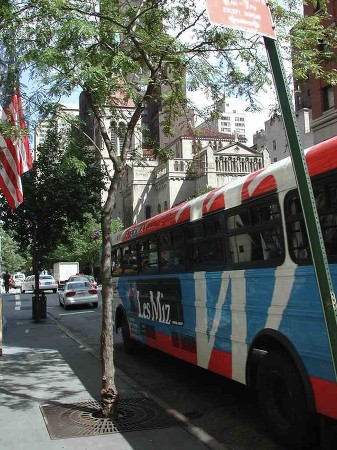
(280, 175)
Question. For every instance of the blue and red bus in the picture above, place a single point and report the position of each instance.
(225, 281)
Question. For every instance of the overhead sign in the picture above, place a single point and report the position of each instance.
(248, 15)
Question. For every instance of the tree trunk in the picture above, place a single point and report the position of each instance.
(109, 394)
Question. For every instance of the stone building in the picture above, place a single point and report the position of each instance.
(207, 159)
(202, 159)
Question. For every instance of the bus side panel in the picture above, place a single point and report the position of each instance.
(157, 308)
(303, 323)
(213, 321)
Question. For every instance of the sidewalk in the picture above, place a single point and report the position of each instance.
(42, 366)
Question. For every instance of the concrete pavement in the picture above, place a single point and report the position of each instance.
(43, 369)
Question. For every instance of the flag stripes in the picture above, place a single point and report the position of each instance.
(15, 155)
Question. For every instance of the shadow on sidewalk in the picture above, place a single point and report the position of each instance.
(47, 348)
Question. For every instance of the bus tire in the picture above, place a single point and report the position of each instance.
(282, 400)
(130, 344)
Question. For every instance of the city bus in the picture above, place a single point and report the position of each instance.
(225, 281)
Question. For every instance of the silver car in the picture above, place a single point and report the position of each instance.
(78, 292)
(46, 283)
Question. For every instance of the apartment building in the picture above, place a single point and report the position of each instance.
(230, 120)
(317, 94)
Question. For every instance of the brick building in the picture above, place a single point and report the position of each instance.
(317, 94)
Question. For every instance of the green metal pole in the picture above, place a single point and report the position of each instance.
(310, 215)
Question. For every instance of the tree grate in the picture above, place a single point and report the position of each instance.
(67, 420)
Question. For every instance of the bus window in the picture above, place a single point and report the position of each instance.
(172, 251)
(242, 247)
(297, 236)
(265, 214)
(238, 220)
(213, 227)
(327, 211)
(205, 245)
(255, 234)
(116, 262)
(148, 256)
(129, 264)
(271, 243)
(325, 193)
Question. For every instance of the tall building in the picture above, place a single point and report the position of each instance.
(317, 94)
(230, 120)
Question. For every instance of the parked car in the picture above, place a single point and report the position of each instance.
(89, 278)
(78, 292)
(46, 283)
(17, 279)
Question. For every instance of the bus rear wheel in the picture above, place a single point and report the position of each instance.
(130, 344)
(282, 400)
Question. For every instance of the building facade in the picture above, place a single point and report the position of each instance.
(229, 120)
(317, 94)
(202, 158)
(273, 137)
(200, 162)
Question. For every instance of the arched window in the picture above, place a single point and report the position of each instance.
(159, 208)
(165, 206)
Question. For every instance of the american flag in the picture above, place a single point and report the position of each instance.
(15, 154)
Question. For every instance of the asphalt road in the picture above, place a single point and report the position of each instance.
(222, 408)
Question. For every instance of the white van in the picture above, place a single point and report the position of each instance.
(18, 278)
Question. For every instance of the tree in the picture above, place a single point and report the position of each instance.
(82, 245)
(139, 52)
(11, 258)
(63, 187)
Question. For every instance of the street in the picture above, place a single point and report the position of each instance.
(222, 408)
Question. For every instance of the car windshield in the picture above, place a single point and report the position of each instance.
(78, 285)
(46, 277)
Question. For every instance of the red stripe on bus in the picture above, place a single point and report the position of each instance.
(267, 184)
(221, 363)
(163, 342)
(322, 157)
(325, 393)
(213, 202)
